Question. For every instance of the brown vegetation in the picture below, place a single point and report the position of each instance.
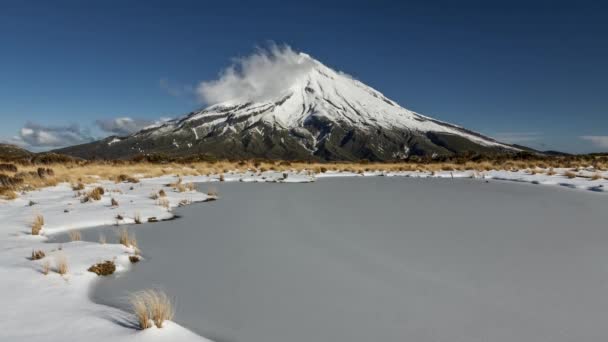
(37, 225)
(37, 255)
(104, 268)
(152, 305)
(61, 264)
(133, 259)
(49, 169)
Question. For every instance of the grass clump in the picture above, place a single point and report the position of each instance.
(126, 239)
(37, 255)
(61, 264)
(78, 187)
(597, 176)
(46, 267)
(104, 268)
(114, 203)
(37, 225)
(570, 174)
(134, 259)
(151, 305)
(162, 193)
(137, 218)
(163, 202)
(93, 195)
(74, 235)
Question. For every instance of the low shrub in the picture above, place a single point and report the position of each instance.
(114, 203)
(134, 259)
(8, 167)
(103, 269)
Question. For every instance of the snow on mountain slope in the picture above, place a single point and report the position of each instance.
(283, 104)
(323, 92)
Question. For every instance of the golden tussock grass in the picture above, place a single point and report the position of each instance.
(74, 235)
(87, 172)
(61, 264)
(597, 176)
(126, 239)
(163, 202)
(103, 268)
(46, 267)
(570, 174)
(37, 255)
(151, 305)
(37, 224)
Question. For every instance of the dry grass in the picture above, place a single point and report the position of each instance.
(86, 172)
(137, 218)
(140, 310)
(550, 172)
(61, 264)
(597, 176)
(78, 187)
(8, 194)
(37, 225)
(104, 268)
(126, 239)
(162, 193)
(570, 174)
(114, 203)
(152, 305)
(74, 235)
(46, 267)
(37, 255)
(163, 202)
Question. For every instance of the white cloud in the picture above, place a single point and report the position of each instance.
(597, 140)
(36, 136)
(517, 137)
(122, 126)
(263, 75)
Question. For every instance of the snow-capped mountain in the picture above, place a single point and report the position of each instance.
(319, 114)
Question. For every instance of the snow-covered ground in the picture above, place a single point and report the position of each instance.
(39, 307)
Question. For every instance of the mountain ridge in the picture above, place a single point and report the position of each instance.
(322, 114)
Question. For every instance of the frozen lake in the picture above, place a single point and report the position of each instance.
(381, 259)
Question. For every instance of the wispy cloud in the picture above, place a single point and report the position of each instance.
(597, 140)
(36, 136)
(263, 75)
(176, 90)
(518, 137)
(122, 126)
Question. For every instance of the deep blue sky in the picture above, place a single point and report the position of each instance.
(533, 71)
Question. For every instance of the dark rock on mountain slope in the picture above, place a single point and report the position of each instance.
(323, 115)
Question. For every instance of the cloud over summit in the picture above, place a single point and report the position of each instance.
(263, 75)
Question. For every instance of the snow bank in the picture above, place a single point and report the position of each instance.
(56, 308)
